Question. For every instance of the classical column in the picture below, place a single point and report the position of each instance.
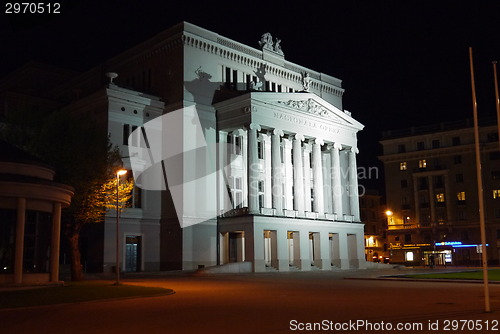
(319, 205)
(266, 146)
(19, 252)
(353, 184)
(336, 180)
(298, 176)
(55, 242)
(287, 160)
(277, 182)
(307, 177)
(253, 169)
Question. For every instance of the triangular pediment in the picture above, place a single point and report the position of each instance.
(312, 104)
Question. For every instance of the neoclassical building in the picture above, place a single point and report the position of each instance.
(279, 192)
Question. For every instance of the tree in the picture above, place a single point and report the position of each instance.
(99, 197)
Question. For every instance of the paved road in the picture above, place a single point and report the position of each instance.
(268, 303)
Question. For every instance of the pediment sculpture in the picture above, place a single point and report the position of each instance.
(312, 107)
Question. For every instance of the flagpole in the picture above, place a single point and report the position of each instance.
(484, 258)
(497, 100)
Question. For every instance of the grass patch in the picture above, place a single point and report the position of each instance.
(493, 275)
(74, 292)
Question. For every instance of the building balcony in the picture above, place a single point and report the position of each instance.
(403, 226)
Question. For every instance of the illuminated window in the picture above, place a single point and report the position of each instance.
(440, 197)
(409, 256)
(422, 163)
(402, 165)
(461, 196)
(496, 193)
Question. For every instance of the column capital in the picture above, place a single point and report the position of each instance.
(254, 126)
(318, 141)
(278, 132)
(334, 146)
(238, 132)
(297, 137)
(354, 150)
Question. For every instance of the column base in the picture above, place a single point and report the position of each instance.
(341, 263)
(283, 265)
(303, 264)
(259, 266)
(323, 264)
(357, 264)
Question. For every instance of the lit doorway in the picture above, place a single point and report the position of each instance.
(133, 253)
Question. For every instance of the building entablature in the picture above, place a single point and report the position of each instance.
(293, 113)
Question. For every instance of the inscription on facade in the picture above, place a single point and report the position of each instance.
(305, 122)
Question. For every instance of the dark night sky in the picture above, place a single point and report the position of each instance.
(403, 63)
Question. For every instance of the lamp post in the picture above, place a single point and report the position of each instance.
(118, 174)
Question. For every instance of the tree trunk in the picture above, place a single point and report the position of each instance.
(76, 265)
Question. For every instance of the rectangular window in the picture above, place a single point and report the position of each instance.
(440, 197)
(235, 79)
(238, 200)
(496, 193)
(228, 77)
(261, 186)
(461, 196)
(459, 178)
(455, 141)
(422, 163)
(237, 183)
(402, 165)
(260, 150)
(402, 148)
(436, 143)
(126, 133)
(457, 159)
(237, 192)
(420, 146)
(248, 81)
(236, 147)
(495, 175)
(261, 194)
(135, 137)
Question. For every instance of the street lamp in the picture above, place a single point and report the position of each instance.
(118, 174)
(389, 214)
